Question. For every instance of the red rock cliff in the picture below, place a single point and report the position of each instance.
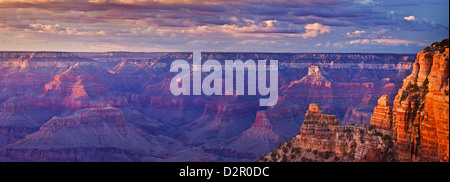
(420, 110)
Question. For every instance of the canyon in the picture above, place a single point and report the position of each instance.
(117, 106)
(411, 128)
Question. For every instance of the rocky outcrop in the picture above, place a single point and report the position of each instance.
(76, 83)
(357, 116)
(382, 114)
(37, 86)
(88, 135)
(270, 128)
(421, 119)
(321, 138)
(314, 77)
(227, 121)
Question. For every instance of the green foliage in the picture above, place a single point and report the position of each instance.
(295, 150)
(273, 154)
(404, 96)
(412, 88)
(442, 45)
(378, 134)
(261, 158)
(387, 137)
(292, 156)
(347, 130)
(336, 158)
(371, 127)
(352, 124)
(304, 159)
(315, 152)
(289, 144)
(425, 85)
(326, 155)
(285, 150)
(284, 159)
(361, 131)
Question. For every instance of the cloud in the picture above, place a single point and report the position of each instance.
(397, 41)
(257, 42)
(59, 30)
(359, 41)
(172, 24)
(410, 18)
(356, 33)
(315, 29)
(385, 41)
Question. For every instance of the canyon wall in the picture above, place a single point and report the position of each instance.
(415, 128)
(38, 87)
(421, 120)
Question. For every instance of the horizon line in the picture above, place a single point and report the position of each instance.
(259, 52)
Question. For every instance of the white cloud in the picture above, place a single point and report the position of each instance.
(315, 29)
(397, 41)
(356, 33)
(410, 18)
(359, 41)
(366, 2)
(59, 30)
(385, 41)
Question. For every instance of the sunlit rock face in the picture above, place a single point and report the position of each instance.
(38, 88)
(415, 129)
(322, 138)
(421, 109)
(382, 114)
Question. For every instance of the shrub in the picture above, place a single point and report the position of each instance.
(378, 134)
(274, 159)
(261, 158)
(315, 152)
(387, 137)
(304, 159)
(371, 127)
(273, 154)
(336, 158)
(289, 144)
(404, 96)
(326, 155)
(284, 159)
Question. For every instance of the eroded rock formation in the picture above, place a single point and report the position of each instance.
(421, 109)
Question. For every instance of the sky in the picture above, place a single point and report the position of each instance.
(338, 26)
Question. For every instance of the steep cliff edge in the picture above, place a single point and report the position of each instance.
(415, 129)
(321, 138)
(94, 134)
(420, 110)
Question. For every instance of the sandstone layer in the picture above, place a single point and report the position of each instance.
(421, 118)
